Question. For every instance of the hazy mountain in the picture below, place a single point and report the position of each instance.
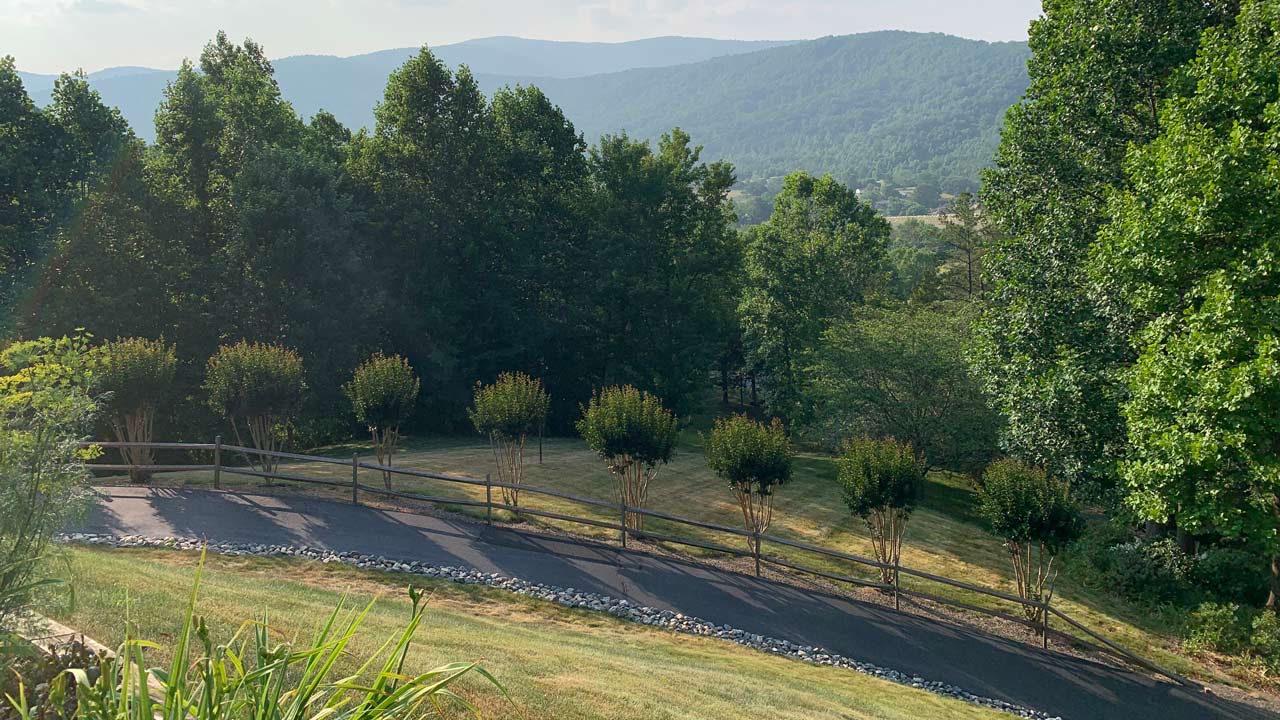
(862, 106)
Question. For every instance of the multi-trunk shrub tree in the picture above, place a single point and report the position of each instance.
(883, 481)
(508, 411)
(383, 391)
(754, 459)
(134, 376)
(258, 386)
(1036, 517)
(635, 434)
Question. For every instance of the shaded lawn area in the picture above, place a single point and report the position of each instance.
(944, 537)
(554, 662)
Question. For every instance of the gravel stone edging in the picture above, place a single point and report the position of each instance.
(567, 597)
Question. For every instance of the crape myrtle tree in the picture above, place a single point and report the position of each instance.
(882, 482)
(807, 265)
(755, 459)
(1048, 353)
(134, 376)
(508, 411)
(259, 386)
(1191, 260)
(634, 434)
(383, 392)
(1036, 517)
(46, 412)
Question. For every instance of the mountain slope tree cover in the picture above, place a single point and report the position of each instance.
(1048, 354)
(894, 106)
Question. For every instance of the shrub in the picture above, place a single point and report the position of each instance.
(754, 459)
(882, 481)
(135, 376)
(634, 434)
(382, 392)
(1264, 640)
(508, 411)
(1230, 574)
(1036, 518)
(1216, 627)
(252, 675)
(45, 414)
(257, 385)
(1150, 572)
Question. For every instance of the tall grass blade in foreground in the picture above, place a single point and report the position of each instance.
(250, 678)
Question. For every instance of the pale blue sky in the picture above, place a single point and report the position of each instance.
(56, 35)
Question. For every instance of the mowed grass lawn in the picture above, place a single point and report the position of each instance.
(944, 537)
(554, 662)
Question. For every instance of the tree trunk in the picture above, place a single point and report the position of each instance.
(1273, 598)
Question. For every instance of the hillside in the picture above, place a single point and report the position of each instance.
(869, 106)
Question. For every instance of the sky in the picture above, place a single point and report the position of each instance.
(50, 36)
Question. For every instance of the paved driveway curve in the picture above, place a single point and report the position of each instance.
(985, 665)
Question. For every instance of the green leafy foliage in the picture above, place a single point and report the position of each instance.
(901, 371)
(134, 374)
(1215, 627)
(46, 412)
(1049, 354)
(754, 459)
(1205, 326)
(1036, 517)
(807, 266)
(257, 384)
(634, 433)
(512, 406)
(383, 391)
(883, 481)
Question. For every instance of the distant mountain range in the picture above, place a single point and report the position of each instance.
(874, 105)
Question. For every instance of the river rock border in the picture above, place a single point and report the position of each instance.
(567, 597)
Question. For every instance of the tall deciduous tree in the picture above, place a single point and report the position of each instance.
(1048, 354)
(1191, 261)
(805, 267)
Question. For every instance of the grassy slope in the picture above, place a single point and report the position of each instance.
(944, 536)
(554, 662)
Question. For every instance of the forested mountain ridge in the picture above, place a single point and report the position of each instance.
(889, 106)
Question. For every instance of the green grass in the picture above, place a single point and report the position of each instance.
(944, 536)
(554, 662)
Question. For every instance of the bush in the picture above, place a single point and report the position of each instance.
(45, 413)
(1264, 641)
(508, 412)
(383, 391)
(634, 434)
(1036, 518)
(882, 481)
(260, 386)
(754, 459)
(1229, 574)
(1216, 627)
(135, 375)
(1152, 573)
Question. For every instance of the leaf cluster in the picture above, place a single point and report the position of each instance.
(625, 425)
(383, 390)
(879, 474)
(512, 406)
(250, 379)
(751, 456)
(135, 373)
(1023, 504)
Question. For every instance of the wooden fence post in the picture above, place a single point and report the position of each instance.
(1044, 627)
(488, 499)
(622, 534)
(755, 536)
(355, 478)
(897, 582)
(217, 463)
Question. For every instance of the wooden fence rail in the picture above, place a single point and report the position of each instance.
(751, 549)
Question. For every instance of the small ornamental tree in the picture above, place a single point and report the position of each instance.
(134, 375)
(508, 411)
(634, 434)
(882, 480)
(1036, 518)
(382, 392)
(259, 386)
(755, 459)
